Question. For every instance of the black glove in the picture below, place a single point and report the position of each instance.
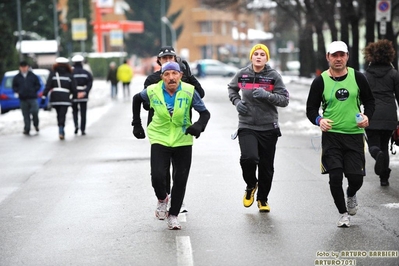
(138, 132)
(43, 100)
(241, 108)
(195, 130)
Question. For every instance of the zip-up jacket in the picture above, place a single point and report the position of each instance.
(60, 94)
(84, 82)
(170, 129)
(384, 84)
(26, 87)
(262, 114)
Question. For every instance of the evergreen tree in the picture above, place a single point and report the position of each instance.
(149, 42)
(67, 45)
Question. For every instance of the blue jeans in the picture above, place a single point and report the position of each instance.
(30, 107)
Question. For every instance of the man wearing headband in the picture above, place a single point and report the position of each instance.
(256, 91)
(171, 136)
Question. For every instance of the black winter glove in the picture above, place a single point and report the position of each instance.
(195, 130)
(138, 132)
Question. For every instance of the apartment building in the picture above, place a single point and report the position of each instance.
(217, 34)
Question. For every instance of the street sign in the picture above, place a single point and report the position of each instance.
(126, 26)
(116, 38)
(79, 29)
(383, 10)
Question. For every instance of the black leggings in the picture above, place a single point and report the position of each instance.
(355, 182)
(161, 158)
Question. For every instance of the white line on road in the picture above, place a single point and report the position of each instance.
(184, 251)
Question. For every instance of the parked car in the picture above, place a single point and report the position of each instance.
(212, 67)
(9, 99)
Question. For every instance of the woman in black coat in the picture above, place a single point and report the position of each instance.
(60, 88)
(384, 83)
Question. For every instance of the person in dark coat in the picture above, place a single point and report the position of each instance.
(60, 87)
(384, 83)
(26, 85)
(84, 82)
(111, 77)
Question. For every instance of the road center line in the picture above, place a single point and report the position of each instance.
(184, 251)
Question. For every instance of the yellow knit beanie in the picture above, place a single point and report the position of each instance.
(259, 46)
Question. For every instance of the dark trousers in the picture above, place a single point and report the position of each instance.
(378, 140)
(258, 149)
(161, 158)
(61, 114)
(30, 107)
(82, 107)
(126, 89)
(355, 182)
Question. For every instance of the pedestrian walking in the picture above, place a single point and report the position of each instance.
(60, 87)
(84, 82)
(171, 136)
(340, 91)
(111, 77)
(168, 54)
(26, 84)
(257, 90)
(384, 83)
(124, 74)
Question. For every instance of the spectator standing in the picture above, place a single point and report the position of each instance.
(111, 77)
(339, 91)
(384, 83)
(84, 82)
(26, 84)
(125, 75)
(262, 91)
(60, 87)
(171, 136)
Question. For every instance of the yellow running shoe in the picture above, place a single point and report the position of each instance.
(249, 196)
(263, 206)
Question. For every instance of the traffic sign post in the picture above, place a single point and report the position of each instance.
(383, 14)
(383, 11)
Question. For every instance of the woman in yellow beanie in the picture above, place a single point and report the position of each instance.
(257, 90)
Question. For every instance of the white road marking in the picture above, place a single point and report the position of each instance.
(184, 251)
(391, 205)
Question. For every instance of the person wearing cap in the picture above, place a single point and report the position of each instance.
(384, 82)
(168, 54)
(171, 134)
(26, 84)
(84, 82)
(256, 91)
(340, 91)
(124, 74)
(60, 87)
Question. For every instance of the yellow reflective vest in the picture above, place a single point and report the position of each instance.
(124, 73)
(169, 129)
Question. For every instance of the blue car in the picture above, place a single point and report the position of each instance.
(9, 99)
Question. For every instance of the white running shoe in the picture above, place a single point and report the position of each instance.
(351, 204)
(162, 209)
(183, 208)
(344, 220)
(173, 223)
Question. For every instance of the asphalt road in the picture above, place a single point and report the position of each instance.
(88, 200)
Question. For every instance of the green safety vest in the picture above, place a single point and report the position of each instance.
(165, 129)
(341, 103)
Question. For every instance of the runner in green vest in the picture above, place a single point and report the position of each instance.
(171, 136)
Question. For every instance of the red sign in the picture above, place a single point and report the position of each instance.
(124, 25)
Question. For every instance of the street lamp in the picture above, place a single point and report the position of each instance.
(172, 30)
